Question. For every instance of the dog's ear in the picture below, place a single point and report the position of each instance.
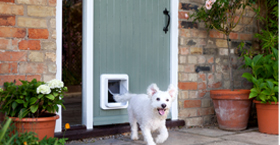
(172, 91)
(152, 89)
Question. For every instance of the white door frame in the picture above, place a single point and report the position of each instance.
(87, 78)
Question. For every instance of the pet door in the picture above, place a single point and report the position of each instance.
(111, 84)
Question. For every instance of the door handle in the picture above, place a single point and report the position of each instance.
(166, 12)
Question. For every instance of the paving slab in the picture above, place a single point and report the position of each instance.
(254, 138)
(181, 138)
(210, 132)
(228, 143)
(103, 142)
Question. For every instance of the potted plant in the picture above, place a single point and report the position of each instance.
(264, 75)
(32, 105)
(232, 106)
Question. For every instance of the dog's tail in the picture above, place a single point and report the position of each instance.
(122, 98)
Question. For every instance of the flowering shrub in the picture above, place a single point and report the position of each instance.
(31, 99)
(223, 16)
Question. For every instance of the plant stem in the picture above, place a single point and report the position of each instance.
(230, 66)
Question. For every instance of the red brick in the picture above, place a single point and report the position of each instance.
(29, 45)
(201, 85)
(7, 20)
(180, 6)
(233, 35)
(31, 68)
(210, 60)
(13, 56)
(183, 15)
(201, 93)
(38, 33)
(184, 50)
(10, 1)
(216, 34)
(11, 78)
(202, 76)
(4, 44)
(187, 85)
(205, 111)
(215, 85)
(192, 103)
(179, 24)
(189, 68)
(236, 19)
(31, 77)
(246, 36)
(52, 2)
(8, 68)
(12, 32)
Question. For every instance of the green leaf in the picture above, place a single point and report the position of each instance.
(14, 105)
(248, 76)
(55, 94)
(276, 89)
(50, 96)
(257, 59)
(265, 92)
(269, 84)
(20, 101)
(33, 100)
(255, 90)
(23, 112)
(262, 97)
(34, 108)
(25, 104)
(40, 96)
(252, 95)
(275, 99)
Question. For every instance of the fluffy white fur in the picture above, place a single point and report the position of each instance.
(150, 111)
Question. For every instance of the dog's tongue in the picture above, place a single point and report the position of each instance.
(161, 111)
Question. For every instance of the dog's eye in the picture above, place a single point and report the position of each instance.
(158, 99)
(167, 100)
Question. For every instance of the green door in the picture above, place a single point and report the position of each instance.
(129, 39)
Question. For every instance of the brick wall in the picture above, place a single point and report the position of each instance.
(27, 40)
(199, 48)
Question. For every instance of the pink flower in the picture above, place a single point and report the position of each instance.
(209, 4)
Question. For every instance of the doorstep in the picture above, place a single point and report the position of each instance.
(79, 131)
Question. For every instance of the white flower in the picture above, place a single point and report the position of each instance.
(55, 84)
(44, 89)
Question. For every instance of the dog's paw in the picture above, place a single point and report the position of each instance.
(160, 139)
(134, 137)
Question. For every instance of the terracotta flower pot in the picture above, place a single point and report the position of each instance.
(267, 117)
(232, 108)
(43, 126)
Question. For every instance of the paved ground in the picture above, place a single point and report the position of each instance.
(192, 136)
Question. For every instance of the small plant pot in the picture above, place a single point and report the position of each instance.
(232, 108)
(42, 126)
(267, 115)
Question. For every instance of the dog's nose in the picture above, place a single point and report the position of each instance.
(163, 105)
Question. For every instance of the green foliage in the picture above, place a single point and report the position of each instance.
(4, 132)
(9, 136)
(264, 76)
(53, 141)
(24, 100)
(267, 37)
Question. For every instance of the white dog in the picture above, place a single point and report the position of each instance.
(150, 111)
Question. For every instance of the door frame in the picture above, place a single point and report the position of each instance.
(87, 53)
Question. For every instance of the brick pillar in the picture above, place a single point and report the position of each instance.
(199, 48)
(27, 40)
